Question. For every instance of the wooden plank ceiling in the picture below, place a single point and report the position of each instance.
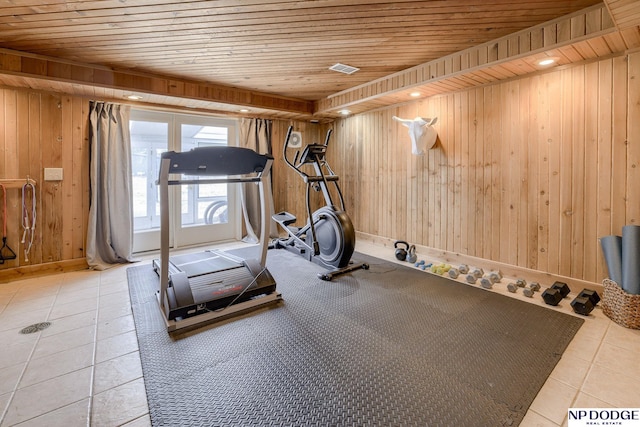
(269, 56)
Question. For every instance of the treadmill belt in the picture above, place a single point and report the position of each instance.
(199, 263)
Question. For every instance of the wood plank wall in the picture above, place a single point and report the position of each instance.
(37, 131)
(289, 188)
(529, 172)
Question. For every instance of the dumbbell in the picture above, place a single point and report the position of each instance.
(585, 302)
(474, 275)
(531, 289)
(440, 269)
(461, 269)
(555, 293)
(419, 263)
(491, 278)
(513, 287)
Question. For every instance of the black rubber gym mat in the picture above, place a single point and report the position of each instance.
(387, 346)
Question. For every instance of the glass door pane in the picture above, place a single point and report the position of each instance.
(200, 213)
(206, 209)
(149, 139)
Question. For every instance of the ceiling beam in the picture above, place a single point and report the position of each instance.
(29, 66)
(447, 71)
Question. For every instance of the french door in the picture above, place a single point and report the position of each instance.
(199, 213)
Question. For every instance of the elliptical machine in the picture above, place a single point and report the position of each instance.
(328, 239)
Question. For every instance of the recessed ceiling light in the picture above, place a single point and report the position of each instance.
(344, 112)
(547, 61)
(244, 110)
(415, 94)
(134, 97)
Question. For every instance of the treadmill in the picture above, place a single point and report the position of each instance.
(202, 287)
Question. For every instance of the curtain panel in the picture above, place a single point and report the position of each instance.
(110, 227)
(256, 135)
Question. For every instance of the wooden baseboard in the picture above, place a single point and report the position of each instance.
(510, 271)
(17, 273)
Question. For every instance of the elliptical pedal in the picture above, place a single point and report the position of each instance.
(284, 218)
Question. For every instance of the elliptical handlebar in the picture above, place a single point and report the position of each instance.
(286, 159)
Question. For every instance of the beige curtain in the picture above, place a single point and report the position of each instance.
(256, 135)
(110, 227)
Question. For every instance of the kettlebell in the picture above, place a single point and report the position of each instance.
(411, 254)
(401, 253)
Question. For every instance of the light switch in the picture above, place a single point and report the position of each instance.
(53, 174)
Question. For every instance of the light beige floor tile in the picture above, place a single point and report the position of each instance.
(615, 388)
(114, 311)
(594, 328)
(114, 300)
(35, 303)
(57, 364)
(117, 371)
(4, 301)
(117, 326)
(64, 341)
(144, 421)
(121, 286)
(10, 288)
(120, 405)
(583, 347)
(69, 323)
(622, 360)
(571, 370)
(553, 400)
(80, 279)
(73, 415)
(17, 321)
(76, 296)
(9, 377)
(116, 346)
(4, 404)
(623, 337)
(14, 337)
(532, 419)
(40, 291)
(15, 354)
(75, 307)
(586, 401)
(41, 398)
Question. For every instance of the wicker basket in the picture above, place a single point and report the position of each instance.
(619, 306)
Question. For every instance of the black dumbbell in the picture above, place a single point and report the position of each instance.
(585, 302)
(555, 293)
(562, 287)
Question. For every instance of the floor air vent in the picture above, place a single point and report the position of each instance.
(342, 68)
(31, 329)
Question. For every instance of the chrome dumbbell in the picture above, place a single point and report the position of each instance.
(474, 275)
(513, 287)
(489, 279)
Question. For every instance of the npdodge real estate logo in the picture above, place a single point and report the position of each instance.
(587, 417)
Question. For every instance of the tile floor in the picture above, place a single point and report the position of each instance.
(84, 370)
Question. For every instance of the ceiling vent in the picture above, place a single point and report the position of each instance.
(342, 68)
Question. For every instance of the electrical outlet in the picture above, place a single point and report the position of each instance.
(53, 174)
